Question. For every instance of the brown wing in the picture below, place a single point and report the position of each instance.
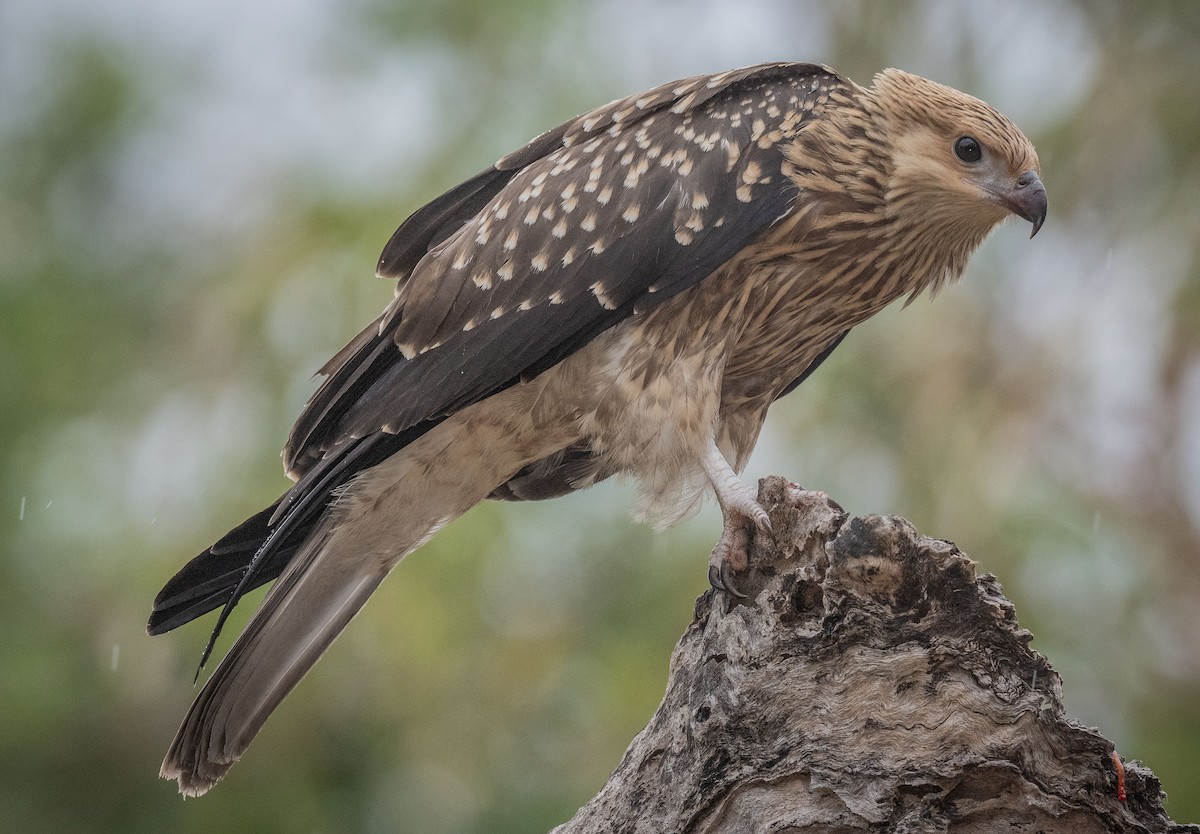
(514, 270)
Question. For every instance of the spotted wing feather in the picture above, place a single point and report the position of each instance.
(611, 213)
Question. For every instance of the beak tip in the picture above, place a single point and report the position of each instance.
(1028, 200)
(1037, 222)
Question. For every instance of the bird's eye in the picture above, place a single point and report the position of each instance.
(968, 149)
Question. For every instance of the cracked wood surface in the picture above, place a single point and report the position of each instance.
(872, 682)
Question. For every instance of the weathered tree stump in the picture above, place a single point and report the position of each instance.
(871, 682)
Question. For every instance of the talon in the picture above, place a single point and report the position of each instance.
(726, 571)
(729, 557)
(714, 578)
(721, 578)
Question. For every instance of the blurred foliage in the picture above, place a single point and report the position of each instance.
(191, 202)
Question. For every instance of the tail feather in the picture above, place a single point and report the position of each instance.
(207, 581)
(314, 599)
(372, 522)
(258, 549)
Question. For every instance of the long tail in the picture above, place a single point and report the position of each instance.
(308, 606)
(380, 517)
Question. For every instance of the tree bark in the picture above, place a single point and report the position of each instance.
(871, 682)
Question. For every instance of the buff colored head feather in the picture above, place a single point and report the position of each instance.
(952, 146)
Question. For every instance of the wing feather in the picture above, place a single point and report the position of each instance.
(593, 221)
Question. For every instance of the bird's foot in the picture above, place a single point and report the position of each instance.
(732, 553)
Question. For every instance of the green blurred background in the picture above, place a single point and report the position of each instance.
(192, 198)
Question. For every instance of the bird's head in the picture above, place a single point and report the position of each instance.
(956, 160)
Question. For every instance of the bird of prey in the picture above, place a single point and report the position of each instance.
(626, 294)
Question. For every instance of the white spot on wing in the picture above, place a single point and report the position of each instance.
(684, 103)
(602, 296)
(770, 138)
(635, 173)
(593, 181)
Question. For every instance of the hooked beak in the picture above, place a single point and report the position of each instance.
(1027, 199)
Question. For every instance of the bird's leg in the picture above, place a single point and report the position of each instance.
(743, 516)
